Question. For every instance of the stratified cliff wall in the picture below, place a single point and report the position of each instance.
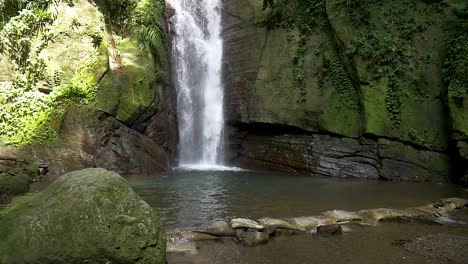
(367, 89)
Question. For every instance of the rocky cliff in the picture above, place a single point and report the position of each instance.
(367, 89)
(87, 84)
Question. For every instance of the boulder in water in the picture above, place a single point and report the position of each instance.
(87, 216)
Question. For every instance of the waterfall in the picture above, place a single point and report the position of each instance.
(197, 55)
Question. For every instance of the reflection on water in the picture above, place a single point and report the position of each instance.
(191, 198)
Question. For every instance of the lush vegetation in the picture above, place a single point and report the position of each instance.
(387, 47)
(34, 91)
(138, 18)
(308, 17)
(456, 64)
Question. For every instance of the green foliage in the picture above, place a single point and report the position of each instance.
(118, 12)
(137, 17)
(27, 117)
(147, 24)
(456, 62)
(341, 82)
(304, 15)
(97, 39)
(16, 35)
(421, 139)
(389, 51)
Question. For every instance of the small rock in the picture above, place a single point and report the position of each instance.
(252, 237)
(278, 223)
(329, 230)
(246, 223)
(346, 229)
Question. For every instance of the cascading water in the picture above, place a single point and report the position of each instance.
(197, 53)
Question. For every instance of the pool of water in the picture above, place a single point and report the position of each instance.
(192, 198)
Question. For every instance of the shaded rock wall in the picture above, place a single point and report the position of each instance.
(360, 91)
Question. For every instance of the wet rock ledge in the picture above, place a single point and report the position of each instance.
(250, 233)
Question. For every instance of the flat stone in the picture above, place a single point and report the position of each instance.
(311, 222)
(218, 228)
(343, 216)
(372, 216)
(246, 223)
(277, 223)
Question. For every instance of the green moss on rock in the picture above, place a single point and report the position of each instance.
(102, 221)
(130, 88)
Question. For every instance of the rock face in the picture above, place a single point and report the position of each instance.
(102, 221)
(125, 122)
(94, 139)
(338, 90)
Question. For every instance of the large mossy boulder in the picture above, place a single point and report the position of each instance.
(87, 216)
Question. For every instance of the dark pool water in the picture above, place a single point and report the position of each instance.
(192, 198)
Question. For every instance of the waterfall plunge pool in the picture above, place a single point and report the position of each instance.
(193, 198)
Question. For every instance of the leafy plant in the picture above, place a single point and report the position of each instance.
(147, 24)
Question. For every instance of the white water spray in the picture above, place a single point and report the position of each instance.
(197, 53)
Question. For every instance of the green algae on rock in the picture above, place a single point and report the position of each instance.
(87, 216)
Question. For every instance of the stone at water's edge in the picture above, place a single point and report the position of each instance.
(250, 233)
(87, 216)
